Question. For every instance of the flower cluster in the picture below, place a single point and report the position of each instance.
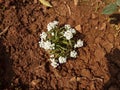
(60, 43)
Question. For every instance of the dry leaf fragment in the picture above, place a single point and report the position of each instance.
(73, 79)
(35, 82)
(46, 3)
(75, 2)
(78, 28)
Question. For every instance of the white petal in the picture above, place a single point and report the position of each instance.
(52, 25)
(68, 34)
(54, 64)
(52, 59)
(62, 59)
(52, 55)
(73, 54)
(43, 35)
(67, 26)
(52, 34)
(79, 43)
(73, 31)
(41, 44)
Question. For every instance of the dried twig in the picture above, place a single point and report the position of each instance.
(4, 31)
(69, 10)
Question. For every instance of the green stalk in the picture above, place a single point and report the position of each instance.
(70, 43)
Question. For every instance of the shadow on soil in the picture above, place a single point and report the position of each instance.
(114, 69)
(6, 72)
(115, 18)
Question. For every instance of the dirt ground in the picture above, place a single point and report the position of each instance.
(25, 66)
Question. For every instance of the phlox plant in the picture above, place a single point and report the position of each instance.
(60, 43)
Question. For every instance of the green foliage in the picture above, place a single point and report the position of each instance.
(118, 2)
(111, 8)
(62, 45)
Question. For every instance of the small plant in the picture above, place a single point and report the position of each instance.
(111, 8)
(60, 43)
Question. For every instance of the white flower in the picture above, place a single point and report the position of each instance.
(53, 46)
(68, 34)
(52, 59)
(73, 54)
(52, 55)
(52, 25)
(55, 22)
(54, 64)
(41, 44)
(43, 35)
(73, 30)
(52, 34)
(48, 45)
(67, 26)
(79, 43)
(62, 59)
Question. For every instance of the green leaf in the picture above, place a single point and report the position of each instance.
(65, 42)
(110, 9)
(118, 2)
(46, 3)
